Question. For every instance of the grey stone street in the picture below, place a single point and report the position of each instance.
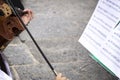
(57, 25)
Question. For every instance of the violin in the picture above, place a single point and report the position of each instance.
(10, 26)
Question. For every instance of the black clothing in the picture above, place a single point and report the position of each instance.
(18, 4)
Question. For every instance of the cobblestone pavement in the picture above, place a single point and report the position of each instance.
(57, 26)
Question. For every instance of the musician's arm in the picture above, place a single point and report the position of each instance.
(28, 14)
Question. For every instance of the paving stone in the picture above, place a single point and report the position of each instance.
(57, 49)
(15, 75)
(35, 72)
(73, 72)
(85, 71)
(19, 54)
(59, 18)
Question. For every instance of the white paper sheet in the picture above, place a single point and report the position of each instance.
(4, 76)
(102, 34)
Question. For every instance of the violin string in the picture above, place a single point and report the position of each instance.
(34, 41)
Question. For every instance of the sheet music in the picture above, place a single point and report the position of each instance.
(102, 34)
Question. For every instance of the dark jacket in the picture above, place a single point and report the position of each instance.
(18, 3)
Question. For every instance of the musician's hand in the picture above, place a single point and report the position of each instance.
(27, 16)
(60, 77)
